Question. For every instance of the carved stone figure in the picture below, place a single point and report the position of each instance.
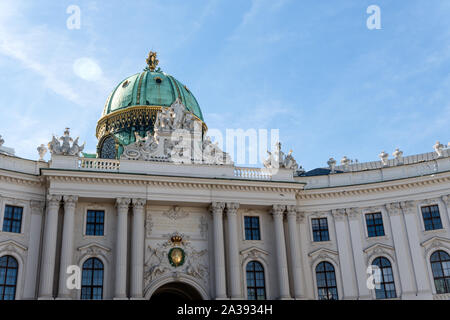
(398, 154)
(42, 150)
(2, 141)
(384, 158)
(278, 159)
(332, 164)
(65, 149)
(438, 147)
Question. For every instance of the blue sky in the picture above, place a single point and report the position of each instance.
(309, 68)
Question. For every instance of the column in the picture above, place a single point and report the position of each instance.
(219, 251)
(296, 264)
(345, 255)
(446, 200)
(283, 278)
(402, 251)
(137, 249)
(70, 203)
(354, 218)
(308, 274)
(233, 258)
(419, 263)
(37, 208)
(49, 248)
(122, 205)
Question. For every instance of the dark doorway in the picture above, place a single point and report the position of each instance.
(176, 291)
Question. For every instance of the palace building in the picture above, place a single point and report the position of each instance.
(162, 212)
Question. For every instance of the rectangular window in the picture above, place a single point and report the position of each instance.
(320, 229)
(95, 222)
(12, 220)
(252, 228)
(431, 217)
(374, 223)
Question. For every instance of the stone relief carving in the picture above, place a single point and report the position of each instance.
(278, 159)
(157, 263)
(65, 149)
(177, 138)
(176, 213)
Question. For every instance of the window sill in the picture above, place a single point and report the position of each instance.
(385, 237)
(321, 242)
(93, 237)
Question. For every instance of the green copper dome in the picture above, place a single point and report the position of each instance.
(150, 89)
(133, 106)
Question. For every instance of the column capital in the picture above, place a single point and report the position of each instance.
(217, 208)
(278, 210)
(408, 206)
(394, 208)
(70, 201)
(291, 211)
(353, 213)
(37, 207)
(53, 200)
(232, 208)
(139, 203)
(123, 203)
(339, 214)
(446, 199)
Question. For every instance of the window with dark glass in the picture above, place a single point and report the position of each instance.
(386, 286)
(256, 287)
(431, 217)
(320, 229)
(326, 281)
(95, 223)
(440, 265)
(374, 223)
(252, 228)
(12, 220)
(92, 280)
(8, 277)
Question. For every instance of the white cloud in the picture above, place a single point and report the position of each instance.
(87, 69)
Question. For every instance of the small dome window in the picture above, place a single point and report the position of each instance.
(125, 84)
(158, 80)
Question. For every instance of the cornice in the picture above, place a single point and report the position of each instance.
(173, 182)
(370, 188)
(21, 178)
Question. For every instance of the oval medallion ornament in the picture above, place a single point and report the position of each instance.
(176, 257)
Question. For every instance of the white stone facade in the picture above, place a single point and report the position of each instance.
(145, 203)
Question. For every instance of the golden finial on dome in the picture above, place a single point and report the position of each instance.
(152, 62)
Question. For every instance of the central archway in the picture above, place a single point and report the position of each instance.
(176, 291)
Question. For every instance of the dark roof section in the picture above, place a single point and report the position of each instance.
(318, 172)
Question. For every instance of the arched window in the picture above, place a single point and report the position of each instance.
(92, 280)
(8, 277)
(385, 289)
(256, 287)
(326, 281)
(440, 264)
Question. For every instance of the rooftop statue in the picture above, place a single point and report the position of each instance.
(65, 149)
(2, 141)
(278, 159)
